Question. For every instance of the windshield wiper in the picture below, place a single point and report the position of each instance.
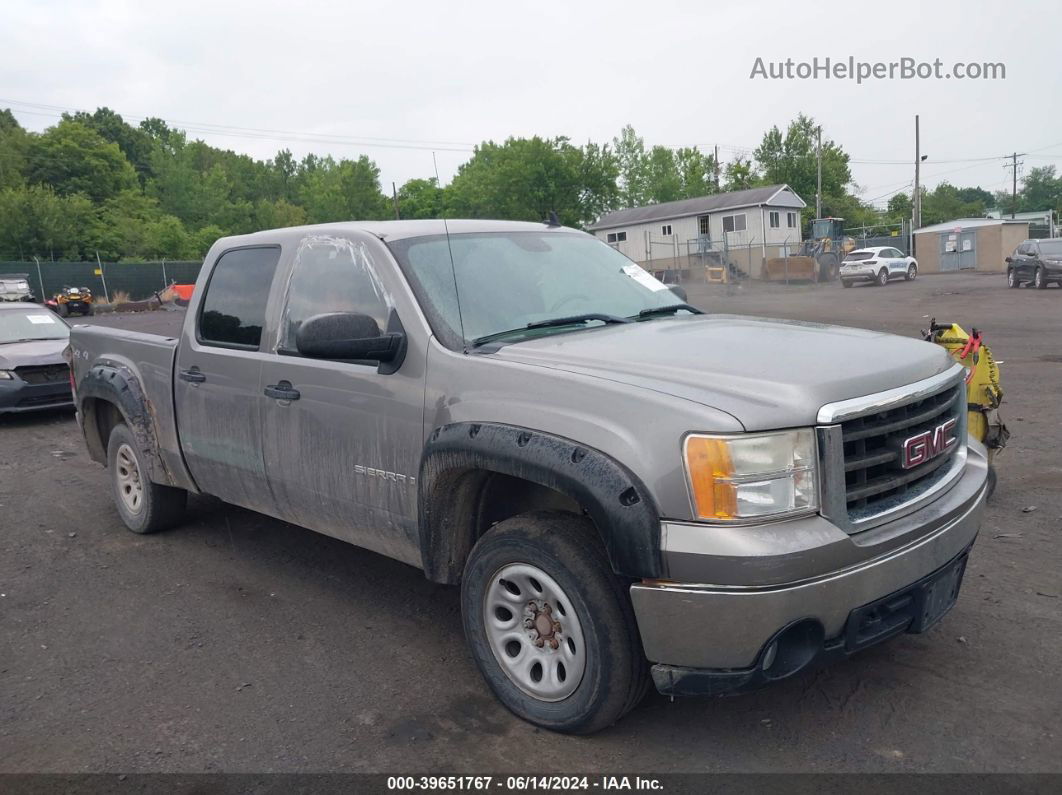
(570, 320)
(670, 309)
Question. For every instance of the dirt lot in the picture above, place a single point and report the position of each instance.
(239, 643)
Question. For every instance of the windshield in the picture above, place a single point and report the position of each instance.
(855, 256)
(1051, 249)
(32, 323)
(507, 280)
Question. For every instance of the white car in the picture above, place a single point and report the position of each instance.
(877, 265)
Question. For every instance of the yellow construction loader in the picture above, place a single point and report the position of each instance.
(819, 257)
(983, 392)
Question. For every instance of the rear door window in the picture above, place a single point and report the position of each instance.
(234, 307)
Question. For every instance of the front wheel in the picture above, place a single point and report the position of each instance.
(1012, 279)
(883, 277)
(912, 273)
(145, 507)
(550, 626)
(846, 282)
(63, 310)
(1039, 282)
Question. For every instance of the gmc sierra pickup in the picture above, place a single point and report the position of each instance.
(625, 489)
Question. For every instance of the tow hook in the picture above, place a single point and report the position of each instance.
(541, 626)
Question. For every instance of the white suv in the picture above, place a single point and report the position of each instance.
(877, 265)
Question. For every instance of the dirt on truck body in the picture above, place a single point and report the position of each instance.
(626, 490)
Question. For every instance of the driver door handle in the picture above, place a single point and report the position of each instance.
(282, 390)
(192, 375)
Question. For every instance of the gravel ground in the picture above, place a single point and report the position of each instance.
(239, 643)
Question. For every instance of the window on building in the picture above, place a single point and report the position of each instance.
(775, 218)
(665, 230)
(734, 223)
(616, 237)
(791, 220)
(234, 306)
(703, 228)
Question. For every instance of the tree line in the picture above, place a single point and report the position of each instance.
(94, 184)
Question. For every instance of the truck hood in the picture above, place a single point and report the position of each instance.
(766, 373)
(21, 354)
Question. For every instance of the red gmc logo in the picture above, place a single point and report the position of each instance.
(929, 444)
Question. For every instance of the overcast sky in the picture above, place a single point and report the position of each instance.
(444, 75)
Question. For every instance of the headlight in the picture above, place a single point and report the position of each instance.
(752, 475)
(6, 375)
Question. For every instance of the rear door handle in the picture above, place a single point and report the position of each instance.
(282, 391)
(193, 375)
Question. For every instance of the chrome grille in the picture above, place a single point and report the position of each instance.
(875, 479)
(861, 441)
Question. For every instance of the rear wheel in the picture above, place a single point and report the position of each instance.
(145, 507)
(912, 273)
(829, 267)
(883, 277)
(1012, 279)
(88, 309)
(550, 626)
(1039, 282)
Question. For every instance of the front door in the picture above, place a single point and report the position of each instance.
(342, 439)
(216, 386)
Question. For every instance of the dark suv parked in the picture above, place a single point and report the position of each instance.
(1036, 262)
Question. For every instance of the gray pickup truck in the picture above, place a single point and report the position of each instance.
(626, 489)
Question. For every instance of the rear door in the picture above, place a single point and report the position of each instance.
(1026, 261)
(217, 395)
(342, 439)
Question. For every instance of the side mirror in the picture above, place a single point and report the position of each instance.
(680, 292)
(347, 335)
(1008, 260)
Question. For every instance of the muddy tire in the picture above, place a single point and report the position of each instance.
(576, 667)
(145, 507)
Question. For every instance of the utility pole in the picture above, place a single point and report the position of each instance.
(394, 194)
(818, 177)
(916, 202)
(1014, 184)
(717, 168)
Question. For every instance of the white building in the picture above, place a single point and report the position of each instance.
(750, 226)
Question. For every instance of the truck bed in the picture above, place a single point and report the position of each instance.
(149, 359)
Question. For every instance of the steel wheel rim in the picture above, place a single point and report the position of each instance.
(127, 475)
(514, 617)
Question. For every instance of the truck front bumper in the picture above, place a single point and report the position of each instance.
(779, 611)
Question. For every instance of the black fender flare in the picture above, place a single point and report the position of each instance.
(619, 504)
(117, 384)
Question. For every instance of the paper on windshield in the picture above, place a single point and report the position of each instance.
(40, 320)
(644, 277)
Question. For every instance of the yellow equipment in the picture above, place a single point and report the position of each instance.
(983, 392)
(819, 258)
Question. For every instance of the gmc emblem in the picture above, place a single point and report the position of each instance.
(928, 444)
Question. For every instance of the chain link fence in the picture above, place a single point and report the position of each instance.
(140, 280)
